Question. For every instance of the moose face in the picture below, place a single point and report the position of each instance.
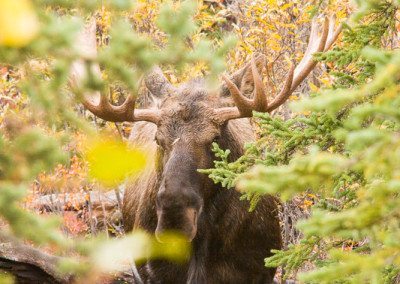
(184, 137)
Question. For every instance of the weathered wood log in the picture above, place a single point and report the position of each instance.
(59, 201)
(102, 208)
(28, 264)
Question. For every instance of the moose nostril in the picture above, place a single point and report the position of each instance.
(195, 218)
(178, 221)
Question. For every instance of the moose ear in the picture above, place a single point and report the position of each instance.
(243, 78)
(158, 85)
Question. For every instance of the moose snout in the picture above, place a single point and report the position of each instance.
(183, 222)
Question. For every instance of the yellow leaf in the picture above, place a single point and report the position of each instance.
(18, 23)
(313, 88)
(286, 6)
(111, 161)
(312, 195)
(277, 36)
(325, 81)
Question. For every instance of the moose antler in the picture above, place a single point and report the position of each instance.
(318, 42)
(96, 102)
(99, 104)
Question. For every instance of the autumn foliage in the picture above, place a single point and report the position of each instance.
(331, 156)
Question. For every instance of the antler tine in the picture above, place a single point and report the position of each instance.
(95, 101)
(243, 104)
(307, 64)
(296, 75)
(109, 112)
(260, 102)
(333, 35)
(312, 41)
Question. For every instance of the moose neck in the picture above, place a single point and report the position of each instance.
(235, 134)
(211, 222)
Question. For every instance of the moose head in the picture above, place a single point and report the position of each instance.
(189, 118)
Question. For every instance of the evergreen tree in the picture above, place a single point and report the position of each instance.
(344, 149)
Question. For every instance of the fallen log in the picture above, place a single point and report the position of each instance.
(28, 264)
(62, 201)
(99, 210)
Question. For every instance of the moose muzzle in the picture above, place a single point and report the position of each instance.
(177, 220)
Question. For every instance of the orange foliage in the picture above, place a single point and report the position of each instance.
(74, 225)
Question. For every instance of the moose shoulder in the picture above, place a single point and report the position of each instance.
(229, 243)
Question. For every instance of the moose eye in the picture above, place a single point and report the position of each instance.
(158, 141)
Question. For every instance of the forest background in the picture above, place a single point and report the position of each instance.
(332, 155)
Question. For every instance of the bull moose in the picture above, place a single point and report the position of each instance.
(229, 243)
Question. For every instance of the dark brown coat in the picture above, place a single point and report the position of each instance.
(229, 243)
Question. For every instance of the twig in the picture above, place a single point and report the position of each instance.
(104, 216)
(119, 130)
(118, 195)
(90, 207)
(135, 273)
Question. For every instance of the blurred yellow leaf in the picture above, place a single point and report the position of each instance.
(6, 278)
(112, 161)
(174, 246)
(18, 23)
(119, 254)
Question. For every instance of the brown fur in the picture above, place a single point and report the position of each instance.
(229, 243)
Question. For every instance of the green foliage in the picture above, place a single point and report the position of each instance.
(294, 256)
(352, 67)
(346, 151)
